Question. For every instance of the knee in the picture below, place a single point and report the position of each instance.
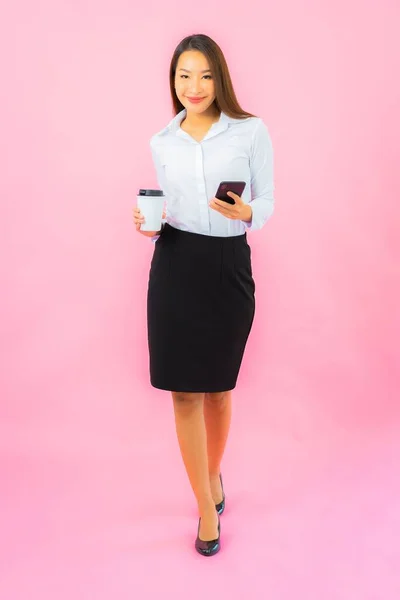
(187, 401)
(217, 399)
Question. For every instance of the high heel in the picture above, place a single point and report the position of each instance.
(220, 507)
(208, 548)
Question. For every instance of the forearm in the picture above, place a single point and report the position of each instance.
(261, 209)
(247, 214)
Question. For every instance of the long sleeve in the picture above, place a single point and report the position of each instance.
(162, 183)
(262, 182)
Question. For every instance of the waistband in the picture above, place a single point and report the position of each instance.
(168, 230)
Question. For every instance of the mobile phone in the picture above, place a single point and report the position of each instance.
(236, 187)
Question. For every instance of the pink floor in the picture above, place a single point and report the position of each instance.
(97, 509)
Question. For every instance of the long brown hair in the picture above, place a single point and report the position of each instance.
(225, 97)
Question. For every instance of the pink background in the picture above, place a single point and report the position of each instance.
(94, 499)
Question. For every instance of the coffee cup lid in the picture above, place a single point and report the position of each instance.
(146, 192)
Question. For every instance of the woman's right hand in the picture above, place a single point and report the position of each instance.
(138, 220)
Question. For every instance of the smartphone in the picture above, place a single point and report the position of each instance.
(236, 187)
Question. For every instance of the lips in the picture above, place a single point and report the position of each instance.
(195, 100)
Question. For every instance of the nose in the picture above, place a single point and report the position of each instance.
(195, 85)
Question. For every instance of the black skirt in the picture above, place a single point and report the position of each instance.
(200, 310)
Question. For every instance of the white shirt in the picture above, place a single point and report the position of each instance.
(189, 173)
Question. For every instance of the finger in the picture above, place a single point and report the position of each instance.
(234, 196)
(221, 210)
(214, 206)
(219, 203)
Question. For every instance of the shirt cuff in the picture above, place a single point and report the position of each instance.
(249, 224)
(259, 214)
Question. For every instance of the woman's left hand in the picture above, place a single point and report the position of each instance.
(238, 211)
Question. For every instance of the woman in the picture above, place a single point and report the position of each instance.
(201, 290)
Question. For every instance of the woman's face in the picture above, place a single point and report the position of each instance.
(194, 83)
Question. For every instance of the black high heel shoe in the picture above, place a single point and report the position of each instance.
(208, 548)
(221, 506)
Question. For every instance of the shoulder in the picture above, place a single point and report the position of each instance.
(158, 138)
(252, 127)
(162, 136)
(158, 143)
(249, 123)
(253, 132)
(257, 125)
(260, 135)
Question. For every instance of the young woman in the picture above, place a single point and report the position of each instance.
(201, 291)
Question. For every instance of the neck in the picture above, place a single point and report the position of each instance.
(205, 118)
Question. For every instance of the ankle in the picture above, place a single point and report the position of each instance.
(206, 507)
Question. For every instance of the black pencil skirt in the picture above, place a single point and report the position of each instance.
(200, 310)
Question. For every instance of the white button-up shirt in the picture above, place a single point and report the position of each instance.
(189, 173)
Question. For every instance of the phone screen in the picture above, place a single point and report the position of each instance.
(236, 187)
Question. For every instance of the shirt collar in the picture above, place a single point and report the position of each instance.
(220, 125)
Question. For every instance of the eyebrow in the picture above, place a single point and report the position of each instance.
(205, 70)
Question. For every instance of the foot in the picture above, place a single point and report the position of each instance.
(211, 547)
(216, 489)
(209, 525)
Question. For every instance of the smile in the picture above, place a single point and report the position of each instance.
(195, 100)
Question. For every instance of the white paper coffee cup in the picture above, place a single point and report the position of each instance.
(151, 204)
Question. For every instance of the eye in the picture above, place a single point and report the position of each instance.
(187, 76)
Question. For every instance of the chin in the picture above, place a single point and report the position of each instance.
(197, 108)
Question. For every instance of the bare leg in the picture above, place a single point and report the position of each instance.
(192, 438)
(217, 414)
